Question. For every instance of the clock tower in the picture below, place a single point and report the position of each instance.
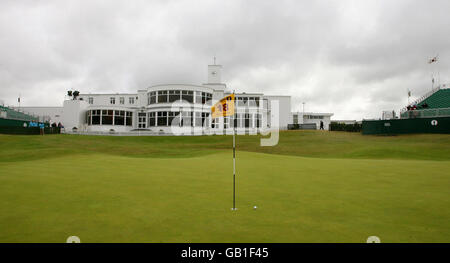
(214, 74)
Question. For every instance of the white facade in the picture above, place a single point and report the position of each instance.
(173, 109)
(312, 118)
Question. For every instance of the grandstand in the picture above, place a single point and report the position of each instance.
(432, 104)
(429, 114)
(8, 113)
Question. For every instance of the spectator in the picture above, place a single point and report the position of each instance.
(321, 125)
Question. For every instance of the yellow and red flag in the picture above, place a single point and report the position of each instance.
(225, 107)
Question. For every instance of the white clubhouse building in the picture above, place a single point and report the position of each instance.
(180, 109)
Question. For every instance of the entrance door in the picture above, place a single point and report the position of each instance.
(142, 120)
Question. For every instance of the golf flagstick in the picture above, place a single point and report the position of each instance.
(223, 108)
(234, 155)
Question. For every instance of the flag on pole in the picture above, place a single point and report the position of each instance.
(223, 108)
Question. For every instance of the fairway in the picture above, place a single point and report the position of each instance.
(311, 187)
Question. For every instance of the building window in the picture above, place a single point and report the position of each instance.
(129, 118)
(122, 100)
(186, 119)
(112, 100)
(188, 96)
(198, 97)
(215, 123)
(242, 101)
(237, 121)
(258, 120)
(198, 119)
(174, 95)
(95, 117)
(174, 119)
(152, 97)
(203, 97)
(131, 100)
(88, 117)
(119, 117)
(295, 118)
(162, 96)
(107, 117)
(162, 118)
(91, 100)
(152, 119)
(226, 122)
(205, 119)
(248, 120)
(207, 98)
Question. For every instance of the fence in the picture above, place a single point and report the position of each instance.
(404, 126)
(9, 126)
(357, 127)
(304, 126)
(29, 130)
(426, 113)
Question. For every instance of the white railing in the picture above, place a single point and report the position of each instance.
(424, 97)
(426, 113)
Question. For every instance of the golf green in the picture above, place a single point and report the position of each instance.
(101, 191)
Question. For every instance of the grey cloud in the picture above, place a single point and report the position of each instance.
(353, 58)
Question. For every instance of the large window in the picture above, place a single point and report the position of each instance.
(237, 121)
(203, 97)
(206, 98)
(174, 118)
(242, 101)
(174, 95)
(186, 118)
(248, 120)
(152, 119)
(112, 100)
(129, 118)
(215, 123)
(95, 117)
(131, 100)
(119, 117)
(226, 122)
(107, 117)
(91, 100)
(188, 96)
(122, 100)
(162, 96)
(253, 101)
(198, 119)
(205, 119)
(162, 118)
(258, 120)
(198, 97)
(152, 97)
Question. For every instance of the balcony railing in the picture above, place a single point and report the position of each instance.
(426, 113)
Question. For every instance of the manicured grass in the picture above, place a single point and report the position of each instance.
(297, 143)
(312, 187)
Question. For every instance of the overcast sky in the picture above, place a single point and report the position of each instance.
(351, 58)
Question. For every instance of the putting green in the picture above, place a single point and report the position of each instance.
(112, 198)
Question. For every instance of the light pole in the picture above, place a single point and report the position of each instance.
(303, 113)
